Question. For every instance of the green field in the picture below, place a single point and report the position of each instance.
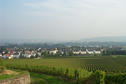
(37, 78)
(66, 66)
(108, 64)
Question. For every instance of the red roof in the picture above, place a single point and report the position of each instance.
(8, 55)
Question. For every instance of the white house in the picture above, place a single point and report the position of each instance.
(97, 52)
(89, 52)
(16, 55)
(76, 52)
(53, 51)
(0, 55)
(27, 55)
(3, 52)
(38, 53)
(79, 52)
(83, 52)
(8, 56)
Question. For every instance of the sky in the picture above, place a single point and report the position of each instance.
(62, 19)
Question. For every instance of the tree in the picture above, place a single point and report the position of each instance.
(36, 55)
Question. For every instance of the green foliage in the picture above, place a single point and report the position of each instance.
(99, 77)
(37, 78)
(2, 69)
(116, 78)
(102, 77)
(66, 72)
(6, 76)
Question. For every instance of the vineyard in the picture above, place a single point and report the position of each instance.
(82, 69)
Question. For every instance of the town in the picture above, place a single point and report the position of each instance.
(9, 53)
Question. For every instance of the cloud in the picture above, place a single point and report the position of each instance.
(67, 4)
(70, 7)
(52, 5)
(56, 6)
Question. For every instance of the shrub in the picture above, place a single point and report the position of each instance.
(2, 69)
(100, 77)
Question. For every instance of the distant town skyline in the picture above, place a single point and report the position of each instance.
(62, 19)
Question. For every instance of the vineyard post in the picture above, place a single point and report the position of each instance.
(66, 73)
(77, 76)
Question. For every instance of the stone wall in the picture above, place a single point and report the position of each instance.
(22, 79)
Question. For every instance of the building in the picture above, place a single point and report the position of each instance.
(97, 52)
(79, 52)
(89, 51)
(27, 55)
(0, 55)
(53, 51)
(8, 56)
(16, 55)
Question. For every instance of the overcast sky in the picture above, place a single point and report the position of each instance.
(62, 19)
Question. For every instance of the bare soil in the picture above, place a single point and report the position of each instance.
(9, 72)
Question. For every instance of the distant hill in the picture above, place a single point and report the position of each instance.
(44, 43)
(106, 39)
(21, 41)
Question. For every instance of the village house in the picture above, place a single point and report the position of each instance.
(97, 52)
(89, 51)
(61, 52)
(3, 52)
(76, 52)
(27, 54)
(80, 51)
(38, 53)
(8, 56)
(83, 52)
(53, 51)
(16, 55)
(0, 55)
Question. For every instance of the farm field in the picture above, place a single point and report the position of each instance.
(69, 67)
(107, 64)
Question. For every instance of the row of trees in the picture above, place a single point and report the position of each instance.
(114, 52)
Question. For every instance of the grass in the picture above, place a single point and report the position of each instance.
(6, 76)
(46, 79)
